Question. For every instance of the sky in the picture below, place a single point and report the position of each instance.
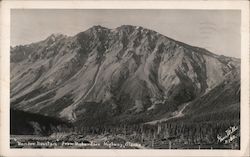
(216, 30)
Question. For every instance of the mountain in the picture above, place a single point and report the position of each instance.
(128, 74)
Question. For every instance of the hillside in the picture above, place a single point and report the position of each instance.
(128, 74)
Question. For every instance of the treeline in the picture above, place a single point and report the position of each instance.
(25, 123)
(179, 132)
(189, 132)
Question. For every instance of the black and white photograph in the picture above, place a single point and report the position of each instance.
(121, 79)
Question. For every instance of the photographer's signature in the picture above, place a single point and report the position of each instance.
(230, 135)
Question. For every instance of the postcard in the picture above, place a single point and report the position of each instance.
(124, 78)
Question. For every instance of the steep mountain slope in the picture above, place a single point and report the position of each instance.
(128, 72)
(220, 103)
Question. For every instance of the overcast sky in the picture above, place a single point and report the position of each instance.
(215, 30)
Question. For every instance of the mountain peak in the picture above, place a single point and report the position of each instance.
(129, 27)
(98, 27)
(55, 36)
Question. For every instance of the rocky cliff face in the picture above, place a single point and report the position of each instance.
(124, 72)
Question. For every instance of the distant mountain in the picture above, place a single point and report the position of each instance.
(128, 74)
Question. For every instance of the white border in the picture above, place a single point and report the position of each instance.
(5, 74)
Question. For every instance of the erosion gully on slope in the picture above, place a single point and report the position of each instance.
(176, 114)
(71, 108)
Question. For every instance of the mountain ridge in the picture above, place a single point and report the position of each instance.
(113, 29)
